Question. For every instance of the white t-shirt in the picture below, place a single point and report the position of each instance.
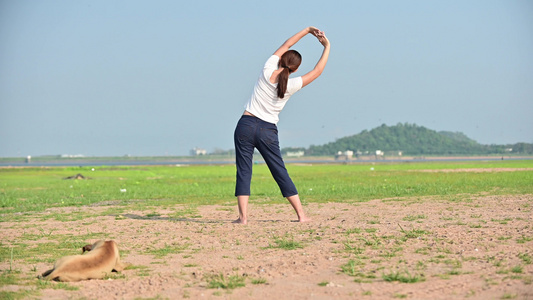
(264, 102)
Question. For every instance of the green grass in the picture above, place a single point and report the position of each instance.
(286, 243)
(173, 248)
(44, 284)
(259, 281)
(222, 282)
(525, 257)
(21, 294)
(8, 277)
(517, 269)
(414, 217)
(351, 268)
(403, 277)
(36, 189)
(524, 239)
(413, 233)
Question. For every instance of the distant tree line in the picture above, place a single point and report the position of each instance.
(412, 140)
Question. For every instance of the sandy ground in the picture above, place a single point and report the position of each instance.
(475, 248)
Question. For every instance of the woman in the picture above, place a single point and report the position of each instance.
(257, 126)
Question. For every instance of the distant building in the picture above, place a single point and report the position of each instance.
(198, 151)
(72, 155)
(295, 153)
(346, 155)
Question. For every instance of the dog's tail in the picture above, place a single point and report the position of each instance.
(46, 275)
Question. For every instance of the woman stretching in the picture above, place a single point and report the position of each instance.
(257, 126)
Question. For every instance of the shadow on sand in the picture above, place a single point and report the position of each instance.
(194, 220)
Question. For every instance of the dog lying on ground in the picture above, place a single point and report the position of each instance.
(102, 258)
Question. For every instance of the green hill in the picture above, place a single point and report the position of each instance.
(410, 139)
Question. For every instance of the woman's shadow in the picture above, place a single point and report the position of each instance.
(194, 220)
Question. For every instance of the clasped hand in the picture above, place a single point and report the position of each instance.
(320, 35)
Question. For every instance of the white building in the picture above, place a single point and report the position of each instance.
(346, 155)
(198, 151)
(295, 153)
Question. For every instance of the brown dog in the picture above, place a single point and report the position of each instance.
(102, 259)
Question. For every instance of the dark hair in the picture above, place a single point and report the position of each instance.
(289, 61)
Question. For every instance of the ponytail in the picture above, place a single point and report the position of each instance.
(282, 82)
(289, 61)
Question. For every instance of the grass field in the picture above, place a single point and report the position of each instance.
(365, 230)
(36, 189)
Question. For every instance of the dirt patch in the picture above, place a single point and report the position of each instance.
(475, 170)
(476, 248)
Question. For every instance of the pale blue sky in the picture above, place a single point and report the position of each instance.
(161, 77)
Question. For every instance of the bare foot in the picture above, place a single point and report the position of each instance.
(239, 221)
(304, 220)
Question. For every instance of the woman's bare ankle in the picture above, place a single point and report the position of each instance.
(240, 221)
(304, 219)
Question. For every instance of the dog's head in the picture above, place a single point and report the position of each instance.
(87, 248)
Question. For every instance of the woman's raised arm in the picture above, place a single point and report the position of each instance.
(321, 64)
(294, 39)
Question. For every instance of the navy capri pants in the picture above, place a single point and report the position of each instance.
(252, 132)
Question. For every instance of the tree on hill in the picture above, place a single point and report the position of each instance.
(458, 136)
(521, 148)
(410, 139)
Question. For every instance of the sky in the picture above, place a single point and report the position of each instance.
(151, 78)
